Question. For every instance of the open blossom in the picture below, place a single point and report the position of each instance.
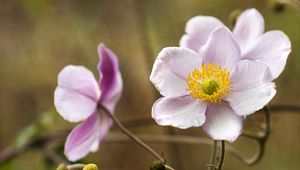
(77, 97)
(271, 48)
(218, 77)
(213, 87)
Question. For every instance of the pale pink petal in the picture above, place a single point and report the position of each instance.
(221, 49)
(248, 74)
(80, 141)
(182, 112)
(249, 26)
(251, 100)
(198, 30)
(110, 77)
(77, 93)
(87, 136)
(73, 106)
(222, 123)
(171, 69)
(272, 49)
(105, 125)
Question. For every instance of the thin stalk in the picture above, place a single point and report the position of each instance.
(131, 135)
(220, 165)
(54, 157)
(211, 165)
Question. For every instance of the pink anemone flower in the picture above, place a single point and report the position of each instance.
(77, 97)
(213, 87)
(271, 48)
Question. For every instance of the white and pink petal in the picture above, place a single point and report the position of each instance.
(251, 100)
(198, 29)
(249, 26)
(181, 112)
(83, 138)
(272, 49)
(110, 77)
(222, 123)
(221, 49)
(77, 93)
(171, 69)
(87, 136)
(248, 74)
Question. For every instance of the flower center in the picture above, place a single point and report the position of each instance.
(209, 83)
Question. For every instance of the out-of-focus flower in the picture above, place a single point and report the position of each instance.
(76, 99)
(271, 48)
(212, 87)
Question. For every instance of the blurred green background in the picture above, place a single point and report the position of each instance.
(39, 37)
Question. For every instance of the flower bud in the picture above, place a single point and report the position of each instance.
(62, 167)
(90, 167)
(158, 165)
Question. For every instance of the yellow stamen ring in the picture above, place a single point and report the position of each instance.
(209, 83)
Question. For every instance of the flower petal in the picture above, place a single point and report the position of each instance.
(82, 137)
(248, 74)
(251, 100)
(222, 123)
(171, 69)
(249, 26)
(77, 93)
(221, 49)
(86, 137)
(272, 49)
(182, 112)
(198, 30)
(111, 81)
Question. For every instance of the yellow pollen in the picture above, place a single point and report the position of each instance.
(209, 83)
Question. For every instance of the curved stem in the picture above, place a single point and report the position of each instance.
(260, 138)
(131, 135)
(220, 165)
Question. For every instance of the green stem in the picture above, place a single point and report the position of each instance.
(220, 165)
(211, 165)
(131, 135)
(261, 138)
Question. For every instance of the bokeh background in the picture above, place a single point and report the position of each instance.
(39, 37)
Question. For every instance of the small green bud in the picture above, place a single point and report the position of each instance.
(62, 167)
(278, 5)
(158, 165)
(90, 167)
(234, 16)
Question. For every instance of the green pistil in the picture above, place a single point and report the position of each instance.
(209, 86)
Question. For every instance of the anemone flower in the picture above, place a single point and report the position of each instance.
(271, 48)
(213, 88)
(77, 97)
